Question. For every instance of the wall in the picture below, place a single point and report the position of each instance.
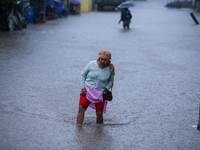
(86, 5)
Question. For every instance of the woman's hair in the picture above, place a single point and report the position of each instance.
(106, 53)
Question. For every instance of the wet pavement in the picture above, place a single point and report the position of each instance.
(156, 90)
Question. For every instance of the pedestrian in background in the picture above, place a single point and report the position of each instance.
(126, 18)
(72, 10)
(96, 80)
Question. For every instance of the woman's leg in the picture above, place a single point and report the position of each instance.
(80, 115)
(99, 116)
(99, 111)
(83, 105)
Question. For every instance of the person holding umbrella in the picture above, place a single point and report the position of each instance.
(126, 14)
(75, 6)
(126, 18)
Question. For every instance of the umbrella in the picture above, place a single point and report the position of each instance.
(126, 5)
(75, 1)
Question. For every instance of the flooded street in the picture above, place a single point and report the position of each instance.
(156, 89)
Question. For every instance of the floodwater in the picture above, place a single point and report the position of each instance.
(156, 90)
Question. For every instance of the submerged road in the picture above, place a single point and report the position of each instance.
(156, 90)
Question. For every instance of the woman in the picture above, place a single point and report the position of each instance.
(96, 79)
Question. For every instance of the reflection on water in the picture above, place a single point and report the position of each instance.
(93, 137)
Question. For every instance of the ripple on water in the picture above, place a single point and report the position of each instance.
(91, 121)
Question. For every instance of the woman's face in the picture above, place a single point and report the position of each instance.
(104, 61)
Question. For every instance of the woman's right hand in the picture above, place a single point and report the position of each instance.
(83, 91)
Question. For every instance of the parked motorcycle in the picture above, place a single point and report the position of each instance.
(13, 15)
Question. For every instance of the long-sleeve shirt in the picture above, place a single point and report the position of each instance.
(92, 75)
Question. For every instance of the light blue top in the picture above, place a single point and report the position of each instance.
(92, 75)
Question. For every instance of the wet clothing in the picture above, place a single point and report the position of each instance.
(92, 75)
(125, 14)
(126, 24)
(95, 81)
(95, 96)
(84, 102)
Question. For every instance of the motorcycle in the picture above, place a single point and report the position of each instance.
(16, 16)
(13, 15)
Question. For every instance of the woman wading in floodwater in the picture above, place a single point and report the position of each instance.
(96, 79)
